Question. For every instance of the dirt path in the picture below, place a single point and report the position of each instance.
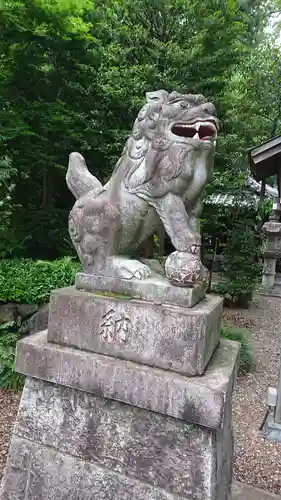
(257, 461)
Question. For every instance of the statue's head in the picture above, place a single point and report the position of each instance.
(170, 134)
(177, 118)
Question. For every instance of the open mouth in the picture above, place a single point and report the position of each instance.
(201, 130)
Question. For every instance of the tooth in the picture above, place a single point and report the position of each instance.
(197, 126)
(196, 136)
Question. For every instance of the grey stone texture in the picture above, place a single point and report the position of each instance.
(79, 446)
(242, 491)
(272, 244)
(155, 288)
(164, 336)
(269, 271)
(17, 313)
(29, 318)
(195, 399)
(272, 428)
(95, 424)
(185, 268)
(271, 252)
(8, 312)
(39, 320)
(158, 182)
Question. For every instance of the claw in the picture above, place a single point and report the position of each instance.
(194, 249)
(129, 269)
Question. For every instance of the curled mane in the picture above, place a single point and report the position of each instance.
(148, 142)
(138, 146)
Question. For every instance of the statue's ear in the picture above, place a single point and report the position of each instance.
(159, 96)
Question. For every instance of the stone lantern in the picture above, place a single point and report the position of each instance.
(271, 252)
(265, 161)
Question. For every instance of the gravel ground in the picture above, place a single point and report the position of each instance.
(9, 402)
(257, 461)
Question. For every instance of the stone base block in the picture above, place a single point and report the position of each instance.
(156, 289)
(161, 335)
(272, 429)
(199, 400)
(68, 444)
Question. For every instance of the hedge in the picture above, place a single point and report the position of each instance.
(30, 282)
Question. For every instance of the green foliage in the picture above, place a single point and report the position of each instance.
(241, 267)
(24, 230)
(73, 75)
(243, 336)
(254, 101)
(27, 281)
(9, 379)
(234, 230)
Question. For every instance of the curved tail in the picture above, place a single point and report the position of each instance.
(78, 178)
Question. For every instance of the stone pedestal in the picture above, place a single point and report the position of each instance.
(162, 335)
(110, 410)
(273, 421)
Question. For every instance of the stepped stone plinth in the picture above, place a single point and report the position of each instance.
(110, 409)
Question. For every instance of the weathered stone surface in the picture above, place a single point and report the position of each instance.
(163, 336)
(272, 243)
(159, 180)
(17, 313)
(269, 269)
(271, 252)
(39, 320)
(155, 289)
(272, 429)
(198, 400)
(35, 472)
(8, 312)
(185, 268)
(69, 444)
(242, 491)
(26, 310)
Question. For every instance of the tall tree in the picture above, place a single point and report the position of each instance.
(73, 75)
(254, 102)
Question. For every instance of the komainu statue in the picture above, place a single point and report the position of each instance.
(167, 161)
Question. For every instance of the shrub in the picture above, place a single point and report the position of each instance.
(9, 336)
(231, 229)
(241, 265)
(27, 281)
(246, 358)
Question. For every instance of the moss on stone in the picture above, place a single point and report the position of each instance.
(115, 295)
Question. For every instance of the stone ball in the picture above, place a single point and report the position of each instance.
(184, 268)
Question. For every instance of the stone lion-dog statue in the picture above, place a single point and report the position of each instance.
(165, 165)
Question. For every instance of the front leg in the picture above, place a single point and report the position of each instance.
(177, 223)
(183, 267)
(194, 213)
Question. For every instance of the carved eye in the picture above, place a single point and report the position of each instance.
(184, 104)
